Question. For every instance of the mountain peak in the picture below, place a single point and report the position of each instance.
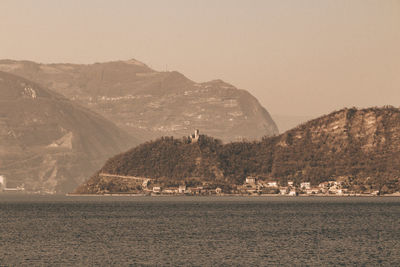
(219, 83)
(133, 61)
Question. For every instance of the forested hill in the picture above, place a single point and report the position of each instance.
(171, 158)
(361, 145)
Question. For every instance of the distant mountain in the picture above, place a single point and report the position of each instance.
(150, 104)
(358, 147)
(49, 143)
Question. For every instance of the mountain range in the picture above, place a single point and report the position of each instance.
(149, 104)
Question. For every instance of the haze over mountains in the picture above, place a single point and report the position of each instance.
(49, 143)
(150, 104)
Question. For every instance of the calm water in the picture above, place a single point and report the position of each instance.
(93, 231)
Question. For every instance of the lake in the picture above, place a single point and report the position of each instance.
(199, 231)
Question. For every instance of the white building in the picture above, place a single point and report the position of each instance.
(2, 182)
(170, 191)
(305, 185)
(340, 192)
(272, 184)
(156, 189)
(284, 190)
(331, 186)
(250, 180)
(311, 191)
(182, 189)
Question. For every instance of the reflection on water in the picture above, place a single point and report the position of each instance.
(199, 231)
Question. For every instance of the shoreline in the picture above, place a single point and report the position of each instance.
(225, 195)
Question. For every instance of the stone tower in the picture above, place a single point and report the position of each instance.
(194, 137)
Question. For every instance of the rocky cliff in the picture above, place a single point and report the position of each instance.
(359, 143)
(150, 104)
(49, 143)
(358, 147)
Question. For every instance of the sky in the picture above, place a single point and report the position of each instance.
(298, 57)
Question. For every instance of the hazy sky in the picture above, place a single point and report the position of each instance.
(298, 57)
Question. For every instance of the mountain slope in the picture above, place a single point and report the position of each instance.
(362, 143)
(359, 147)
(151, 104)
(47, 142)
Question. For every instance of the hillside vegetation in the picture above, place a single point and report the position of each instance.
(360, 146)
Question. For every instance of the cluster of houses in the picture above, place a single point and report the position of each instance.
(255, 186)
(184, 190)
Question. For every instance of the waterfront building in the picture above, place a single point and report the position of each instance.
(284, 190)
(251, 180)
(156, 189)
(195, 190)
(311, 191)
(182, 189)
(170, 190)
(305, 185)
(272, 184)
(2, 182)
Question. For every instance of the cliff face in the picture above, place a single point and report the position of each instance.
(360, 143)
(361, 147)
(49, 143)
(150, 104)
(371, 129)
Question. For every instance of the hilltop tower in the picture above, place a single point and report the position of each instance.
(194, 137)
